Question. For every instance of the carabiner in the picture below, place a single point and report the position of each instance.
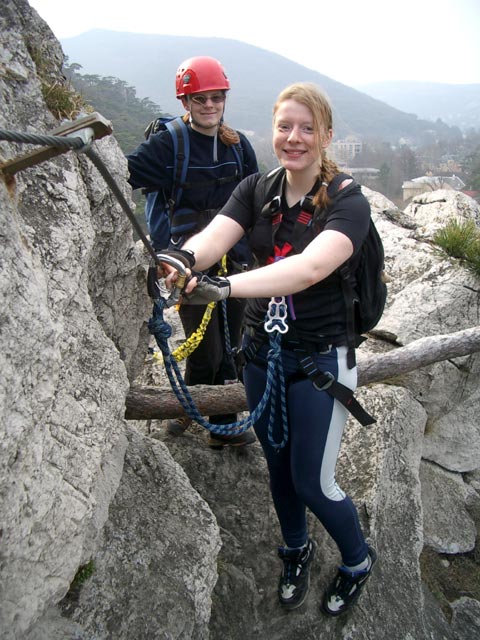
(179, 265)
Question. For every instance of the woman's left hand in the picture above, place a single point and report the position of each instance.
(202, 289)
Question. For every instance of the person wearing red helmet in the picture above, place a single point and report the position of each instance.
(219, 158)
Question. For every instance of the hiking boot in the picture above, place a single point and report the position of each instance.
(295, 578)
(346, 588)
(177, 426)
(218, 441)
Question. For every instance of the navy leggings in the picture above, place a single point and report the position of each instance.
(302, 474)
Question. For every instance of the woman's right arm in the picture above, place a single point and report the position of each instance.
(211, 244)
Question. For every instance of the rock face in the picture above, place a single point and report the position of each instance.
(176, 540)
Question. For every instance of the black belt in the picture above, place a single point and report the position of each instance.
(289, 343)
(322, 381)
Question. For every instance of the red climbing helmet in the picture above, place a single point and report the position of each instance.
(201, 73)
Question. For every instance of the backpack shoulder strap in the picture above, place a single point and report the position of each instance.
(181, 156)
(238, 153)
(313, 219)
(268, 192)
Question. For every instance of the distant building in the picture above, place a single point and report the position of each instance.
(473, 194)
(411, 188)
(344, 151)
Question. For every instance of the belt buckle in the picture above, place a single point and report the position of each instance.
(328, 384)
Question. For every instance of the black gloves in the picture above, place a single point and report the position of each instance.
(208, 289)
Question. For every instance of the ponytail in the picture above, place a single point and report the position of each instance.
(328, 171)
(227, 135)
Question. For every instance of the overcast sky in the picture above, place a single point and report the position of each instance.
(351, 41)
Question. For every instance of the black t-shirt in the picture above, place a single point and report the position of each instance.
(319, 311)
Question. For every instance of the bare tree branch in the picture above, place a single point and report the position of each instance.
(417, 354)
(144, 403)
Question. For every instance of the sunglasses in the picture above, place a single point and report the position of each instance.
(218, 98)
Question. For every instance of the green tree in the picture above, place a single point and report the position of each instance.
(472, 170)
(117, 102)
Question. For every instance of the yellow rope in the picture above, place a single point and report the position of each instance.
(195, 339)
(189, 346)
(223, 267)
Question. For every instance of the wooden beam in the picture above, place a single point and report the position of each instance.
(160, 403)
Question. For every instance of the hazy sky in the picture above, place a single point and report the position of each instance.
(351, 41)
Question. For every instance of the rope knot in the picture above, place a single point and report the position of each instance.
(157, 325)
(159, 328)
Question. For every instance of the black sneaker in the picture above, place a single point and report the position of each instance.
(346, 588)
(218, 441)
(295, 578)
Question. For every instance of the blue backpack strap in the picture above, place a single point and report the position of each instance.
(238, 153)
(181, 157)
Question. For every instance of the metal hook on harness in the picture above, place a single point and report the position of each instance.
(276, 317)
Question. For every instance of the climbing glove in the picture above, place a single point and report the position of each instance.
(208, 289)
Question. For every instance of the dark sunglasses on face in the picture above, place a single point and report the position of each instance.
(218, 98)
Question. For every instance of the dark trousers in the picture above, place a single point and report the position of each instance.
(211, 363)
(302, 474)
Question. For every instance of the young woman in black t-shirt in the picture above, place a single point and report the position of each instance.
(306, 288)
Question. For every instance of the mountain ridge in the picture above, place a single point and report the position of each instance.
(455, 104)
(149, 63)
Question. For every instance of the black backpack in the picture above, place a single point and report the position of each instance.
(362, 277)
(369, 288)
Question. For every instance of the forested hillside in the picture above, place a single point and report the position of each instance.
(117, 101)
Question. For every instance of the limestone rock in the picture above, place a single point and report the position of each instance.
(447, 525)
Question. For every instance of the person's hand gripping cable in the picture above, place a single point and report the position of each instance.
(175, 273)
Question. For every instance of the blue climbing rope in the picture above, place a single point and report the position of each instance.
(162, 331)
